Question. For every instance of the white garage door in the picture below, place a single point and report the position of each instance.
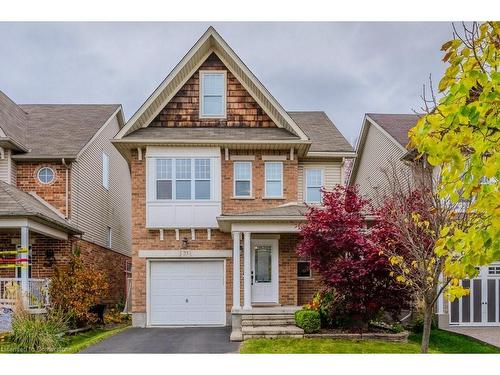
(187, 293)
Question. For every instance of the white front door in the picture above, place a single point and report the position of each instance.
(186, 293)
(265, 271)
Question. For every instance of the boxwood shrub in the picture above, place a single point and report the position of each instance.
(308, 320)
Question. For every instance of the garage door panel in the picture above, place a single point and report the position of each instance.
(187, 293)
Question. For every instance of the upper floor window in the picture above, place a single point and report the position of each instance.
(46, 175)
(274, 179)
(213, 94)
(183, 179)
(314, 182)
(105, 170)
(243, 179)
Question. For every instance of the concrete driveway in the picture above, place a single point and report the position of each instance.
(490, 335)
(168, 340)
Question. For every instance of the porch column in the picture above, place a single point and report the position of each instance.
(24, 270)
(236, 271)
(247, 274)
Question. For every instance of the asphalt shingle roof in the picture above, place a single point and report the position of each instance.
(285, 210)
(201, 133)
(397, 125)
(13, 119)
(321, 131)
(62, 130)
(16, 202)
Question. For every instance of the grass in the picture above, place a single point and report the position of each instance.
(78, 342)
(441, 342)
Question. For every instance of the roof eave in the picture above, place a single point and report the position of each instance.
(10, 143)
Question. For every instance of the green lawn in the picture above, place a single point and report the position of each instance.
(441, 342)
(77, 342)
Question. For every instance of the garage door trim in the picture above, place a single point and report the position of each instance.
(148, 289)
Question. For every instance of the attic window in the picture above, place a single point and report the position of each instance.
(212, 94)
(46, 175)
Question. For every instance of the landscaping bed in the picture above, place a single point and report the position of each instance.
(380, 335)
(440, 342)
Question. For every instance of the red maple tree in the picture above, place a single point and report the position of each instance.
(341, 251)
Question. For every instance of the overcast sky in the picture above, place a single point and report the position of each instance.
(344, 69)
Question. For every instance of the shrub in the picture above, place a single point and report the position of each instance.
(76, 289)
(331, 308)
(37, 333)
(308, 320)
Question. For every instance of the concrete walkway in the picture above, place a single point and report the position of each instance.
(168, 340)
(490, 335)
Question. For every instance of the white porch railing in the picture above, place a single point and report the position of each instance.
(37, 296)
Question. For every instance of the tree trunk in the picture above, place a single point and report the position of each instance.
(427, 327)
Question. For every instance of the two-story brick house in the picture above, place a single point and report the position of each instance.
(221, 175)
(63, 188)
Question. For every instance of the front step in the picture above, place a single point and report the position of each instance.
(270, 323)
(249, 332)
(267, 322)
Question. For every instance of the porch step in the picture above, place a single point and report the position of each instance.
(267, 322)
(267, 317)
(271, 332)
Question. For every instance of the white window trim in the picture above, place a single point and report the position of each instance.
(40, 180)
(306, 186)
(267, 196)
(224, 95)
(110, 237)
(234, 180)
(105, 170)
(174, 179)
(310, 270)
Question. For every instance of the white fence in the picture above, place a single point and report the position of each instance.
(37, 296)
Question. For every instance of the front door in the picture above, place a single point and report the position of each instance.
(265, 271)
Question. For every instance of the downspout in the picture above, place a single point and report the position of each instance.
(66, 189)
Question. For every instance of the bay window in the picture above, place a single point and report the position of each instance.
(183, 179)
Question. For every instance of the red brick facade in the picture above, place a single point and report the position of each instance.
(258, 201)
(48, 253)
(54, 193)
(183, 109)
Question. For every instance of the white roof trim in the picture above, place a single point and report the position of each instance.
(119, 114)
(360, 144)
(393, 140)
(210, 42)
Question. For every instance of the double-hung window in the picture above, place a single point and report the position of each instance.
(314, 182)
(242, 179)
(183, 179)
(274, 179)
(164, 179)
(213, 94)
(202, 179)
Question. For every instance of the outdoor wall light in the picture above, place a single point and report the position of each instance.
(184, 243)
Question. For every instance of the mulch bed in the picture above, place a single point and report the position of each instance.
(371, 334)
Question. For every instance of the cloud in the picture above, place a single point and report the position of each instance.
(345, 69)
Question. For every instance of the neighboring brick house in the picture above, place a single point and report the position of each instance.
(63, 188)
(220, 177)
(382, 145)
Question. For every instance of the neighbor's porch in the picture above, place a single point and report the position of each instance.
(28, 251)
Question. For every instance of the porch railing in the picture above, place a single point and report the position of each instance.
(37, 296)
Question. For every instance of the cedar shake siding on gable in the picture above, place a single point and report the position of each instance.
(183, 109)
